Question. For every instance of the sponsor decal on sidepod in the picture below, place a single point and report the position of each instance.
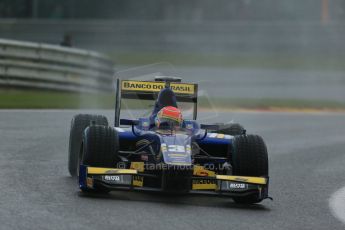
(112, 178)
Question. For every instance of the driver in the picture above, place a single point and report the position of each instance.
(168, 117)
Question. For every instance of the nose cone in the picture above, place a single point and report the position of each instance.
(177, 179)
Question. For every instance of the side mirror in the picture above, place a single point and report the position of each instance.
(210, 127)
(129, 122)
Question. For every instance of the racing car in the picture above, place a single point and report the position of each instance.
(163, 151)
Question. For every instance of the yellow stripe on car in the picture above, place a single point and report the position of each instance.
(139, 166)
(89, 182)
(179, 163)
(220, 136)
(204, 186)
(138, 181)
(201, 171)
(244, 179)
(94, 170)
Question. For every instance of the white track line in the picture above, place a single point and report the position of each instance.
(337, 204)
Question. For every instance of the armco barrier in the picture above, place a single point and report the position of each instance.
(42, 66)
(234, 38)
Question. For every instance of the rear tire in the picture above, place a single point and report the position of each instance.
(232, 129)
(78, 125)
(100, 149)
(249, 158)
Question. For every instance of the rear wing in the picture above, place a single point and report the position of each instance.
(149, 90)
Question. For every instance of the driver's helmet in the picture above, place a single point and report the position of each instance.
(169, 117)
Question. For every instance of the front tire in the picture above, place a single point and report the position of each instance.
(100, 146)
(249, 158)
(100, 149)
(78, 125)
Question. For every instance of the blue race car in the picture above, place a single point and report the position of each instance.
(164, 152)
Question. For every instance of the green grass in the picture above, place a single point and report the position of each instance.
(11, 99)
(57, 100)
(239, 61)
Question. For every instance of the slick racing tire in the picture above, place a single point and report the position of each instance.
(100, 149)
(100, 146)
(78, 125)
(232, 129)
(249, 158)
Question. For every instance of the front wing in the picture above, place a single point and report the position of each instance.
(202, 182)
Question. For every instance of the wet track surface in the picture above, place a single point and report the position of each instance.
(306, 154)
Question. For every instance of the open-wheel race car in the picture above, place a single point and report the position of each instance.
(162, 150)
